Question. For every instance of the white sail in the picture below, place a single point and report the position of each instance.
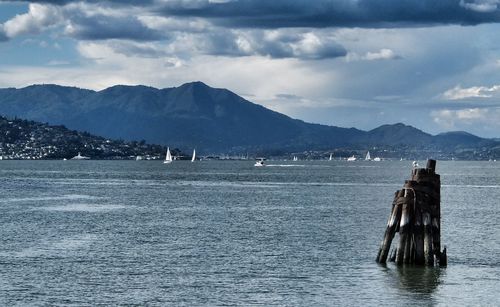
(331, 158)
(295, 158)
(368, 158)
(168, 156)
(194, 156)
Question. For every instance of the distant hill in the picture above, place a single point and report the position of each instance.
(24, 139)
(395, 135)
(195, 115)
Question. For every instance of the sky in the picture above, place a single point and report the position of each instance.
(431, 64)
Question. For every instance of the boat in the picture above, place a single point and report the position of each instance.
(353, 158)
(368, 157)
(168, 157)
(295, 158)
(80, 157)
(331, 158)
(194, 156)
(377, 159)
(259, 162)
(138, 158)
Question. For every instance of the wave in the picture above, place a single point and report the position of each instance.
(48, 198)
(82, 207)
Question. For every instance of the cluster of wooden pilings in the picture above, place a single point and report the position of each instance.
(416, 215)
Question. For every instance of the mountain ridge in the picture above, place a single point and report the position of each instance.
(197, 115)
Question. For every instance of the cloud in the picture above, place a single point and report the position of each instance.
(138, 49)
(462, 118)
(99, 27)
(340, 13)
(86, 21)
(271, 43)
(480, 6)
(458, 93)
(38, 18)
(314, 13)
(105, 2)
(276, 44)
(382, 54)
(288, 96)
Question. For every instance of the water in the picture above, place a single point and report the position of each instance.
(89, 233)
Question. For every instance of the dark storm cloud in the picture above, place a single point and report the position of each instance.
(316, 13)
(336, 13)
(108, 27)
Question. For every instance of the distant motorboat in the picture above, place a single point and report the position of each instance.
(377, 159)
(194, 156)
(80, 157)
(353, 158)
(259, 162)
(138, 158)
(168, 157)
(368, 157)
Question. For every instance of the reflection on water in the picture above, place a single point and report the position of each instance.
(417, 282)
(419, 279)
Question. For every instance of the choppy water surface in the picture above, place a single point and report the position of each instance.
(226, 233)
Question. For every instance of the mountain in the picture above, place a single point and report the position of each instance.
(210, 119)
(397, 134)
(192, 115)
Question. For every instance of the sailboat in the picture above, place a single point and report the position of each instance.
(331, 158)
(368, 158)
(168, 157)
(80, 157)
(194, 156)
(295, 158)
(353, 158)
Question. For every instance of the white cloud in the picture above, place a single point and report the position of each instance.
(382, 54)
(480, 6)
(458, 93)
(464, 118)
(38, 18)
(175, 24)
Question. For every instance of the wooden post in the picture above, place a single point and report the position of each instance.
(418, 233)
(394, 219)
(416, 215)
(428, 251)
(404, 231)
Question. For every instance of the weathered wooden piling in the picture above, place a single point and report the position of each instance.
(416, 215)
(392, 225)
